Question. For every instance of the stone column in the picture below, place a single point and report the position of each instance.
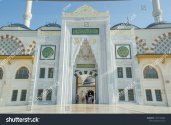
(73, 90)
(65, 74)
(136, 72)
(97, 90)
(32, 91)
(103, 69)
(109, 63)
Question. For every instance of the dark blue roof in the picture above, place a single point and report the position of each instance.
(124, 26)
(18, 25)
(157, 24)
(52, 25)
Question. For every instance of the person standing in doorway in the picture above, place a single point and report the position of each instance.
(86, 97)
(77, 99)
(90, 99)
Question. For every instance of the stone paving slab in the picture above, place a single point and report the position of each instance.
(87, 109)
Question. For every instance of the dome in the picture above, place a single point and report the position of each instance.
(15, 26)
(89, 80)
(50, 26)
(124, 26)
(159, 25)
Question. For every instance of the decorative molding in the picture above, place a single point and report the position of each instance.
(76, 41)
(8, 59)
(85, 51)
(48, 52)
(30, 48)
(123, 51)
(78, 73)
(14, 39)
(142, 45)
(158, 40)
(86, 11)
(159, 57)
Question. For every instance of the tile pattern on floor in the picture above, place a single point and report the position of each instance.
(87, 109)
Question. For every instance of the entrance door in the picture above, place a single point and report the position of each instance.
(85, 89)
(85, 72)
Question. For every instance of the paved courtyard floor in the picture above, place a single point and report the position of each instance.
(90, 109)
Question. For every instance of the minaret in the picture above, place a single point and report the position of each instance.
(157, 12)
(28, 15)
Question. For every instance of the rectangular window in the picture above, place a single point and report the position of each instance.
(42, 73)
(121, 95)
(131, 95)
(120, 72)
(158, 95)
(149, 95)
(50, 72)
(40, 94)
(49, 94)
(14, 95)
(128, 72)
(23, 95)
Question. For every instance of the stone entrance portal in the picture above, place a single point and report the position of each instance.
(84, 47)
(84, 84)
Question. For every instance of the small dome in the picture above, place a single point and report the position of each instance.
(15, 26)
(159, 25)
(124, 26)
(89, 80)
(50, 26)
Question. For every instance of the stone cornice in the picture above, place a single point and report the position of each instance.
(8, 59)
(158, 57)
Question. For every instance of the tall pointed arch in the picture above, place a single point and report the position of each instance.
(85, 53)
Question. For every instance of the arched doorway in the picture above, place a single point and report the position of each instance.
(85, 84)
(85, 72)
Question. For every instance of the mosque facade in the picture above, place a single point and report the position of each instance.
(59, 64)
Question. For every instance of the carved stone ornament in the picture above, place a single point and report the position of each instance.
(85, 51)
(85, 11)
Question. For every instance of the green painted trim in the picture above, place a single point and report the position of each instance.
(85, 31)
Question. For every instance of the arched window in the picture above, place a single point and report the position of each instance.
(150, 73)
(22, 73)
(1, 73)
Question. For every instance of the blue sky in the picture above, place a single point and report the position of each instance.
(48, 12)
